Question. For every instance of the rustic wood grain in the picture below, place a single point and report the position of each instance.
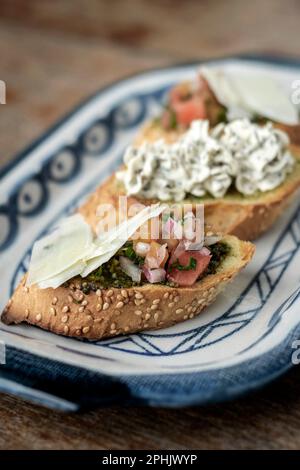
(53, 54)
(266, 420)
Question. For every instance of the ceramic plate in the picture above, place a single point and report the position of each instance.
(242, 341)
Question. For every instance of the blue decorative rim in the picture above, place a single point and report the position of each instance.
(51, 383)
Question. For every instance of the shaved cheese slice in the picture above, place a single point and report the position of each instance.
(64, 276)
(115, 238)
(96, 262)
(70, 241)
(263, 96)
(248, 95)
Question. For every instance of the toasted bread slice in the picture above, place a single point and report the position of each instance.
(110, 312)
(247, 217)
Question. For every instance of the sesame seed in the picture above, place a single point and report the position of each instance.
(38, 317)
(98, 307)
(81, 309)
(194, 309)
(85, 329)
(113, 326)
(84, 302)
(147, 316)
(138, 295)
(105, 306)
(70, 298)
(191, 315)
(156, 316)
(65, 318)
(138, 312)
(156, 301)
(142, 301)
(78, 332)
(190, 309)
(80, 296)
(176, 299)
(160, 323)
(185, 317)
(98, 292)
(124, 293)
(171, 304)
(120, 305)
(166, 295)
(26, 313)
(98, 320)
(119, 297)
(66, 329)
(89, 317)
(113, 332)
(154, 307)
(65, 309)
(178, 311)
(54, 300)
(109, 293)
(146, 325)
(126, 328)
(211, 290)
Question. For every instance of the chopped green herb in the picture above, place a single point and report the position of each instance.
(191, 266)
(218, 252)
(129, 252)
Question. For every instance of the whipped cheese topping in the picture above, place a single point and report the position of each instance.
(239, 154)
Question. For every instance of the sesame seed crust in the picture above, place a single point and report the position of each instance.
(100, 313)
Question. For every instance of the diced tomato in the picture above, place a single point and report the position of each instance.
(187, 278)
(189, 110)
(187, 104)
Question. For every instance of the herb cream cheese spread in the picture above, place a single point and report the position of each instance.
(239, 155)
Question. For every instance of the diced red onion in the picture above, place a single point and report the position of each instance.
(161, 254)
(205, 251)
(154, 275)
(133, 271)
(194, 246)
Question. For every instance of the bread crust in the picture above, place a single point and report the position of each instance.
(111, 312)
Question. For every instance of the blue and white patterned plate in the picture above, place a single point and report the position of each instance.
(241, 342)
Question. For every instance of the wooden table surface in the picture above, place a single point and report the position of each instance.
(53, 54)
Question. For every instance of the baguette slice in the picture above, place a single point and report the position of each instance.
(247, 217)
(112, 312)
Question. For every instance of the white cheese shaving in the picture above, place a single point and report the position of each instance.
(69, 242)
(71, 249)
(250, 95)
